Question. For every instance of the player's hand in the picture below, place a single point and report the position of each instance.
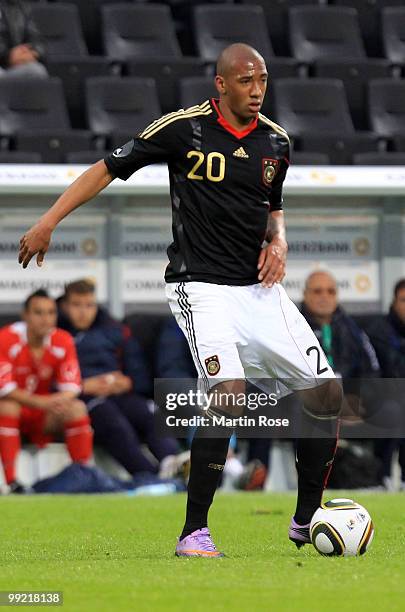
(272, 261)
(34, 242)
(57, 403)
(121, 384)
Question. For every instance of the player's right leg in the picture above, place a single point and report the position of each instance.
(207, 324)
(10, 441)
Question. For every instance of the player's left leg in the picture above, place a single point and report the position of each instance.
(288, 350)
(75, 423)
(209, 449)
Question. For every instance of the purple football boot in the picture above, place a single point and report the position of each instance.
(197, 544)
(299, 534)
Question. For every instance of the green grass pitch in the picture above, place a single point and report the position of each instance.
(110, 553)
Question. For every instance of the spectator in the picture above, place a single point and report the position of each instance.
(39, 385)
(21, 45)
(114, 374)
(388, 337)
(352, 357)
(347, 347)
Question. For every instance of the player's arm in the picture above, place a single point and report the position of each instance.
(272, 258)
(85, 187)
(154, 145)
(41, 402)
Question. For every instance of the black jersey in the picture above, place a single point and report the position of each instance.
(223, 183)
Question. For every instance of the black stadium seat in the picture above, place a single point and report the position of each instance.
(355, 75)
(53, 144)
(387, 106)
(276, 13)
(379, 159)
(18, 157)
(73, 71)
(121, 104)
(312, 105)
(369, 13)
(304, 158)
(218, 26)
(325, 31)
(139, 30)
(90, 16)
(60, 26)
(393, 27)
(194, 90)
(32, 104)
(316, 112)
(167, 74)
(84, 157)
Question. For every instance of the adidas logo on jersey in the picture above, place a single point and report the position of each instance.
(241, 153)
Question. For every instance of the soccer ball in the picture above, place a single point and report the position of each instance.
(341, 527)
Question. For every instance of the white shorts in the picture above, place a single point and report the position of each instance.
(247, 332)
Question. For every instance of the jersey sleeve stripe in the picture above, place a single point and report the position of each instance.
(184, 115)
(198, 107)
(164, 118)
(277, 128)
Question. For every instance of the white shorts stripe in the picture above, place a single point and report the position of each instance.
(188, 316)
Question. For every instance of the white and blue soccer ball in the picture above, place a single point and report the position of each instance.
(341, 527)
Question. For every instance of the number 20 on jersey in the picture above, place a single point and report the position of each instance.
(211, 166)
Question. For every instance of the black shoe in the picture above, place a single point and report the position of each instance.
(17, 488)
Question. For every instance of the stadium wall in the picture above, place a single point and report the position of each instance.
(349, 220)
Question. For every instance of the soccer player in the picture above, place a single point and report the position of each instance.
(227, 163)
(35, 358)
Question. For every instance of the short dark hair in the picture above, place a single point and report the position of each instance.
(399, 286)
(39, 293)
(82, 286)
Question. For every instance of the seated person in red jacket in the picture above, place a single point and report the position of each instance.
(39, 385)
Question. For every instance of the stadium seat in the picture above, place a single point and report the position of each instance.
(324, 31)
(387, 106)
(194, 90)
(276, 13)
(369, 14)
(53, 144)
(18, 157)
(317, 113)
(167, 74)
(304, 158)
(73, 71)
(393, 27)
(85, 157)
(379, 159)
(139, 30)
(355, 75)
(120, 104)
(218, 26)
(312, 105)
(399, 143)
(32, 104)
(90, 16)
(60, 26)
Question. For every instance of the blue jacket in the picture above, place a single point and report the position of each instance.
(108, 346)
(173, 357)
